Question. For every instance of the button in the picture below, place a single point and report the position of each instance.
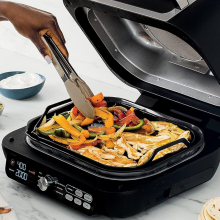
(79, 193)
(59, 193)
(61, 189)
(88, 197)
(12, 162)
(86, 205)
(69, 189)
(69, 197)
(77, 201)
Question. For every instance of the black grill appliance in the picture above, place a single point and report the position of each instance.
(168, 50)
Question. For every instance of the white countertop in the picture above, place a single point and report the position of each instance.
(29, 204)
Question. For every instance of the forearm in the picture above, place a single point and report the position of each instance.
(3, 9)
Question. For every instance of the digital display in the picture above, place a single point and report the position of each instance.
(20, 171)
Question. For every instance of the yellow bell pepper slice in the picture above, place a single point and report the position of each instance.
(66, 126)
(87, 121)
(106, 115)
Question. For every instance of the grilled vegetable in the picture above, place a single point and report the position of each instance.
(68, 141)
(123, 109)
(43, 121)
(49, 123)
(109, 144)
(119, 113)
(71, 114)
(60, 132)
(66, 126)
(101, 129)
(46, 132)
(76, 111)
(91, 134)
(134, 128)
(103, 103)
(49, 127)
(85, 133)
(97, 98)
(148, 128)
(77, 147)
(75, 121)
(112, 136)
(107, 116)
(79, 128)
(87, 121)
(65, 115)
(128, 119)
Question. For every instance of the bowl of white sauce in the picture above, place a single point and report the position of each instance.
(20, 85)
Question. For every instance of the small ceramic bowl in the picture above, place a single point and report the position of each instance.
(1, 110)
(20, 93)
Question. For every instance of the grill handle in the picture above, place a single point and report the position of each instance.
(156, 151)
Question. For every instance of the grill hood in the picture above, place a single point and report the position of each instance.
(169, 48)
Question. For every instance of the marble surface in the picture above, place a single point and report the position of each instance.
(17, 53)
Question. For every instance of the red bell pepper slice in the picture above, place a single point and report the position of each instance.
(135, 120)
(126, 120)
(116, 119)
(145, 121)
(119, 113)
(76, 111)
(129, 112)
(103, 103)
(131, 125)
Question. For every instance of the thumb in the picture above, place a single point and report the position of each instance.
(43, 49)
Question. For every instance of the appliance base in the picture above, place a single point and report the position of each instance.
(94, 195)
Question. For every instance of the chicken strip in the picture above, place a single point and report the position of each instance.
(132, 153)
(172, 135)
(149, 142)
(91, 155)
(120, 150)
(148, 154)
(176, 147)
(143, 138)
(161, 125)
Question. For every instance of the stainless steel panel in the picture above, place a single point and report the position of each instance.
(135, 51)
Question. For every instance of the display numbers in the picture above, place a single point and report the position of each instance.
(22, 175)
(22, 166)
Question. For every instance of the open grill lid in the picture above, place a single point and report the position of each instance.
(163, 47)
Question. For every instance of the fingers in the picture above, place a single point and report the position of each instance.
(4, 211)
(54, 33)
(41, 46)
(60, 32)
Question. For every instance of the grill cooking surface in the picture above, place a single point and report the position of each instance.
(150, 168)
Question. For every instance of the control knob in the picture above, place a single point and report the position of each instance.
(45, 182)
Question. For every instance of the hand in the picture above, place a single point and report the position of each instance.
(34, 23)
(4, 210)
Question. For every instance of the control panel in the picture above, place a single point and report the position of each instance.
(46, 180)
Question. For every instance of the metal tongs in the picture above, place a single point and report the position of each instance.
(78, 90)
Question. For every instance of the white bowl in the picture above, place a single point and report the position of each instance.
(1, 110)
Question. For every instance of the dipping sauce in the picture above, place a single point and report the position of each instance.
(21, 81)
